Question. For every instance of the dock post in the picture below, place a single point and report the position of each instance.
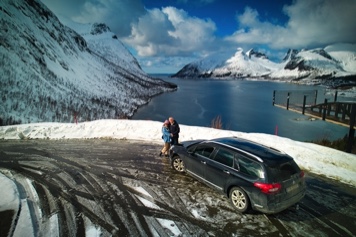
(325, 108)
(352, 129)
(335, 97)
(316, 96)
(288, 101)
(304, 101)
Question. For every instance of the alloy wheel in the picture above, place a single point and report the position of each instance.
(178, 164)
(239, 199)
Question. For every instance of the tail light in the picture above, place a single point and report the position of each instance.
(268, 188)
(302, 174)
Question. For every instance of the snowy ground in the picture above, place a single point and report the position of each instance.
(316, 159)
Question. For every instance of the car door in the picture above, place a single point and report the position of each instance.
(218, 168)
(198, 159)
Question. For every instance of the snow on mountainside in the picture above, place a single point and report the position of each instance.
(336, 62)
(102, 41)
(51, 73)
(240, 64)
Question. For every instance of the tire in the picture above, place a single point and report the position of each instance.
(239, 199)
(178, 164)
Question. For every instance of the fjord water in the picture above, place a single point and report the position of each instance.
(243, 105)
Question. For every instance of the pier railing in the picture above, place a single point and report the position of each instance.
(305, 102)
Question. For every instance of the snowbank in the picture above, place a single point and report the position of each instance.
(317, 159)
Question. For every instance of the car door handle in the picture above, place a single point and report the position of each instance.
(226, 171)
(203, 162)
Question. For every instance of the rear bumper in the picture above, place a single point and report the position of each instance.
(275, 207)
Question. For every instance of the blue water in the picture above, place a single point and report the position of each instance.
(244, 106)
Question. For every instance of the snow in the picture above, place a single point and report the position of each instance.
(314, 158)
(45, 63)
(242, 64)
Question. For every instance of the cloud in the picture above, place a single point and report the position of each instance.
(170, 37)
(311, 23)
(196, 2)
(117, 14)
(164, 64)
(170, 31)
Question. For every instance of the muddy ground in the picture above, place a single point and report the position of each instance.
(123, 188)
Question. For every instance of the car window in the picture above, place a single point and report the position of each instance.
(224, 157)
(204, 150)
(249, 167)
(283, 171)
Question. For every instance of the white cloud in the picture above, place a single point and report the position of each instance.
(311, 23)
(117, 14)
(322, 21)
(170, 31)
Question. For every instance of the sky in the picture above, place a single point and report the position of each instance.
(314, 158)
(166, 35)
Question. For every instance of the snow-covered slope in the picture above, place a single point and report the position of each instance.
(333, 65)
(51, 73)
(105, 43)
(240, 64)
(337, 62)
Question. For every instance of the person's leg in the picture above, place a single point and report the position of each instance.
(164, 149)
(166, 146)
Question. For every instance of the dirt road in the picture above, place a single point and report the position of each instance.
(123, 188)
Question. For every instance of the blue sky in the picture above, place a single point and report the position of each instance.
(223, 12)
(165, 35)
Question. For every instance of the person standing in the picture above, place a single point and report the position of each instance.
(166, 136)
(174, 129)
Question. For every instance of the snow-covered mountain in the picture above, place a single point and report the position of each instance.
(335, 64)
(239, 65)
(49, 72)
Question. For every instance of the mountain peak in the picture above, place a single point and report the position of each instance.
(291, 54)
(99, 28)
(257, 54)
(335, 64)
(51, 73)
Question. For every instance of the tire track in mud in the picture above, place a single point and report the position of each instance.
(318, 212)
(102, 182)
(124, 202)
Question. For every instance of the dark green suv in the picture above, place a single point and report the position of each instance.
(250, 174)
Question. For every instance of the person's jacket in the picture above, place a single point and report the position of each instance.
(174, 128)
(166, 135)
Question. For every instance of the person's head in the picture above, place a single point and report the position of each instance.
(171, 120)
(166, 123)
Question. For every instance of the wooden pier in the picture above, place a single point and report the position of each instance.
(340, 112)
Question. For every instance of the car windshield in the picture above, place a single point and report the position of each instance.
(283, 171)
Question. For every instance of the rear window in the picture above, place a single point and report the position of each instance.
(282, 171)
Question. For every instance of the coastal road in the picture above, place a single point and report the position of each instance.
(123, 188)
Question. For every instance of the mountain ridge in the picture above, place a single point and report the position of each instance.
(50, 73)
(332, 65)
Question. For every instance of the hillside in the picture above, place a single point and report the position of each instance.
(50, 73)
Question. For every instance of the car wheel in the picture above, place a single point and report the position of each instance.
(178, 164)
(239, 199)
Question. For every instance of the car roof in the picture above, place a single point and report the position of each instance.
(261, 152)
